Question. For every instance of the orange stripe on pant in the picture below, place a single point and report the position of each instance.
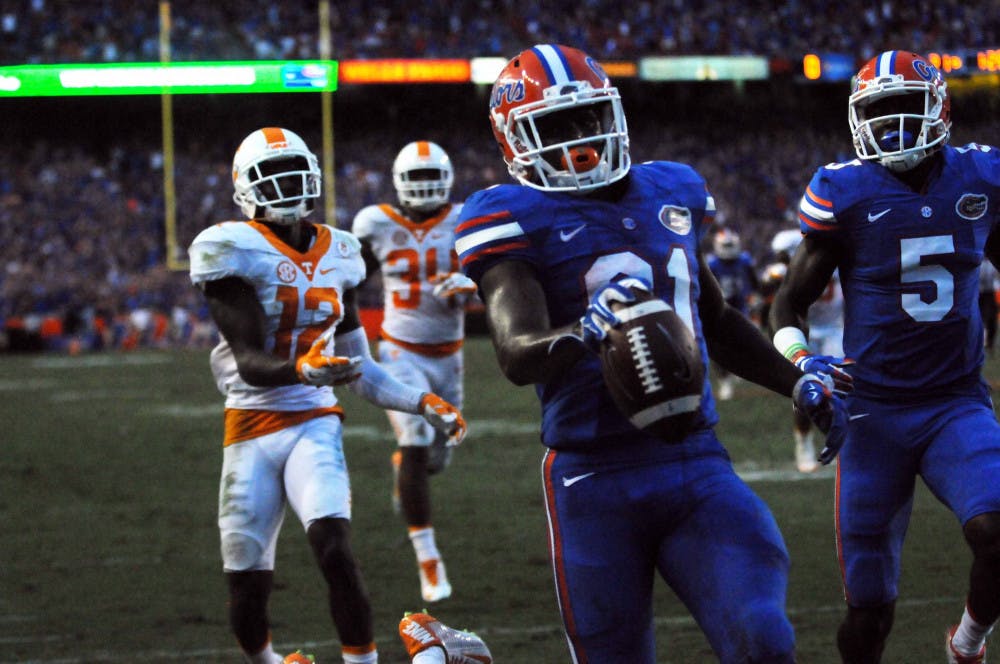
(556, 553)
(246, 424)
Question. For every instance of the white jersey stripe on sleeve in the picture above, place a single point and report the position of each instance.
(473, 240)
(819, 214)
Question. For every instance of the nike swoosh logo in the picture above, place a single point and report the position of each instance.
(570, 481)
(876, 217)
(327, 270)
(858, 416)
(566, 237)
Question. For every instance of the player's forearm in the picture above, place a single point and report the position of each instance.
(742, 349)
(537, 357)
(263, 370)
(375, 385)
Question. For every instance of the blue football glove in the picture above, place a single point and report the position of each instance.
(813, 395)
(826, 365)
(598, 318)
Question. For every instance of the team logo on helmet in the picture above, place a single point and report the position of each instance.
(972, 206)
(677, 219)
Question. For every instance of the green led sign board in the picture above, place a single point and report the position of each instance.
(174, 78)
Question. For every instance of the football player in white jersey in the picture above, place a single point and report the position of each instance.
(282, 292)
(413, 243)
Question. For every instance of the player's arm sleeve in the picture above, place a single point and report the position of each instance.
(736, 343)
(374, 384)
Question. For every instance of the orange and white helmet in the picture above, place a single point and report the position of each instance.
(275, 176)
(423, 175)
(899, 110)
(558, 120)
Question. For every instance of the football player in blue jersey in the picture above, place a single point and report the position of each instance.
(907, 223)
(736, 273)
(550, 255)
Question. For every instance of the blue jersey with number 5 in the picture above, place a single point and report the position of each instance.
(577, 244)
(910, 269)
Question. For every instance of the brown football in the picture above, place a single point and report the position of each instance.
(652, 367)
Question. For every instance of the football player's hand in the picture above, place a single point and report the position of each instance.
(316, 368)
(827, 365)
(444, 417)
(599, 318)
(453, 283)
(813, 395)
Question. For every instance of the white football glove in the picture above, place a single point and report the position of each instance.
(453, 283)
(318, 369)
(444, 417)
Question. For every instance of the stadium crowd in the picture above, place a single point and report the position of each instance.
(36, 31)
(82, 224)
(82, 209)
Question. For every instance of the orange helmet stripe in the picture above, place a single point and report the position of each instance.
(274, 135)
(423, 149)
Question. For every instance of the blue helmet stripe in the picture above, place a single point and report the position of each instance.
(555, 63)
(886, 64)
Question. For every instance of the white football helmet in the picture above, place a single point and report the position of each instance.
(786, 241)
(899, 110)
(726, 244)
(423, 175)
(275, 176)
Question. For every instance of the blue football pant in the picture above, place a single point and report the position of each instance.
(695, 522)
(954, 444)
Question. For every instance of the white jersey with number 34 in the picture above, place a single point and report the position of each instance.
(411, 255)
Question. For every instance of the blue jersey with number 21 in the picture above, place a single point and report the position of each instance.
(577, 244)
(910, 272)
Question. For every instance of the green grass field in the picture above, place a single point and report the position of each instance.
(108, 545)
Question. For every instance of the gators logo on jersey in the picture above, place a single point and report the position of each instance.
(972, 206)
(677, 219)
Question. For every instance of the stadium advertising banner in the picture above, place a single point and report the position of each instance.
(703, 68)
(173, 78)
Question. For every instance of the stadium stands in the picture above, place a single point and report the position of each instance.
(35, 31)
(81, 202)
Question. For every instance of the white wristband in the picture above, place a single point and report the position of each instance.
(790, 341)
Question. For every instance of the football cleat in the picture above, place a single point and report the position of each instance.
(421, 631)
(955, 657)
(298, 657)
(434, 584)
(397, 461)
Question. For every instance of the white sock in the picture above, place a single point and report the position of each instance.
(370, 657)
(423, 544)
(970, 635)
(265, 656)
(430, 656)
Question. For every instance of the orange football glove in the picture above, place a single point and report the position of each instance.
(444, 417)
(315, 368)
(453, 283)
